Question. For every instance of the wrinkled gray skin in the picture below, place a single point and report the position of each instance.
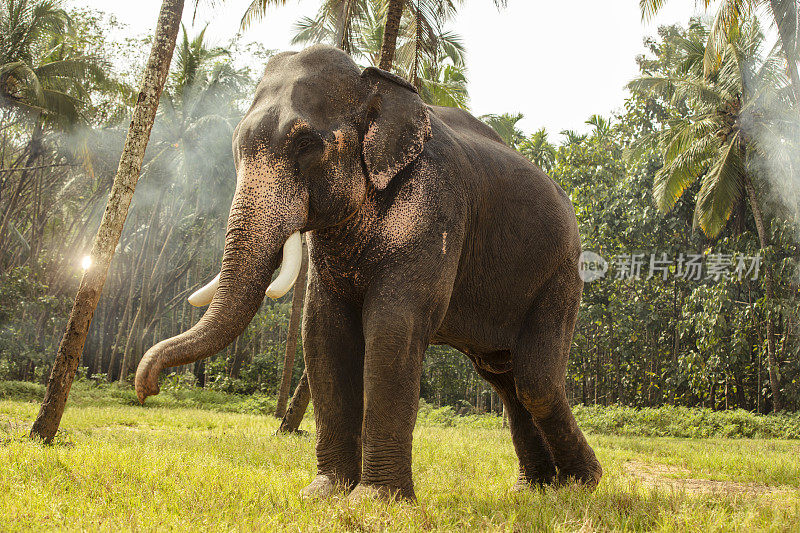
(423, 228)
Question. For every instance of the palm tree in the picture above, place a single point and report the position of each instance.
(506, 127)
(42, 77)
(443, 84)
(257, 9)
(69, 351)
(573, 137)
(422, 39)
(343, 19)
(394, 13)
(432, 59)
(420, 10)
(601, 126)
(422, 42)
(718, 140)
(352, 25)
(40, 73)
(726, 25)
(539, 150)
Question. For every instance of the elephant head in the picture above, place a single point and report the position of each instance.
(318, 136)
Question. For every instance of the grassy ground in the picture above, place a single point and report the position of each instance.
(167, 467)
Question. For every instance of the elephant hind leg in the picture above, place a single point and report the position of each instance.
(536, 466)
(540, 362)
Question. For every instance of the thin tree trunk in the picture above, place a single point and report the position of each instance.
(126, 316)
(297, 407)
(343, 26)
(291, 336)
(130, 164)
(34, 151)
(393, 15)
(133, 333)
(676, 342)
(769, 296)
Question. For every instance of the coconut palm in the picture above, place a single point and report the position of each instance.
(430, 57)
(718, 140)
(418, 8)
(344, 20)
(40, 73)
(443, 84)
(573, 137)
(354, 26)
(422, 41)
(346, 24)
(785, 15)
(42, 77)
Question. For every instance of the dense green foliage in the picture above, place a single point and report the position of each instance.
(656, 340)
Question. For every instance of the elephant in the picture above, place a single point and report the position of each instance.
(423, 228)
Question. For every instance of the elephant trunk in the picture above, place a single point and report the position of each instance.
(252, 250)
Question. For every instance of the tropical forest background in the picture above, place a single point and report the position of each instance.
(701, 163)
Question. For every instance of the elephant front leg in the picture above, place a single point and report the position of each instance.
(334, 355)
(392, 370)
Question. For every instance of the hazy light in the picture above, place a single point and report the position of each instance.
(86, 262)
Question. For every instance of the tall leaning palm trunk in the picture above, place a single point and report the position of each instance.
(69, 351)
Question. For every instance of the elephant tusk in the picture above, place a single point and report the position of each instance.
(290, 267)
(204, 295)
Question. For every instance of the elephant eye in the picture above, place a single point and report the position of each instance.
(306, 142)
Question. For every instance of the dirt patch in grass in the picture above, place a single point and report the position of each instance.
(677, 478)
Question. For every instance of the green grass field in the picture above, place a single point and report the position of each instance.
(165, 467)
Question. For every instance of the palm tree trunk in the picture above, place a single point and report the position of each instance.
(393, 15)
(291, 336)
(108, 234)
(297, 407)
(769, 296)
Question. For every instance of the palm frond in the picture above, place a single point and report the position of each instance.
(506, 126)
(721, 189)
(672, 180)
(449, 89)
(257, 10)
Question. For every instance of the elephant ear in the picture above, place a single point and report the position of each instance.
(397, 126)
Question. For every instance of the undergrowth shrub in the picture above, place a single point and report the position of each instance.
(689, 422)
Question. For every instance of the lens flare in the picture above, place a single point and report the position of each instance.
(86, 262)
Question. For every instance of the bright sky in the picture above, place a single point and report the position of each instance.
(555, 62)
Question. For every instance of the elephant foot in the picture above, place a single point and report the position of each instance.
(525, 483)
(535, 475)
(324, 487)
(587, 474)
(382, 492)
